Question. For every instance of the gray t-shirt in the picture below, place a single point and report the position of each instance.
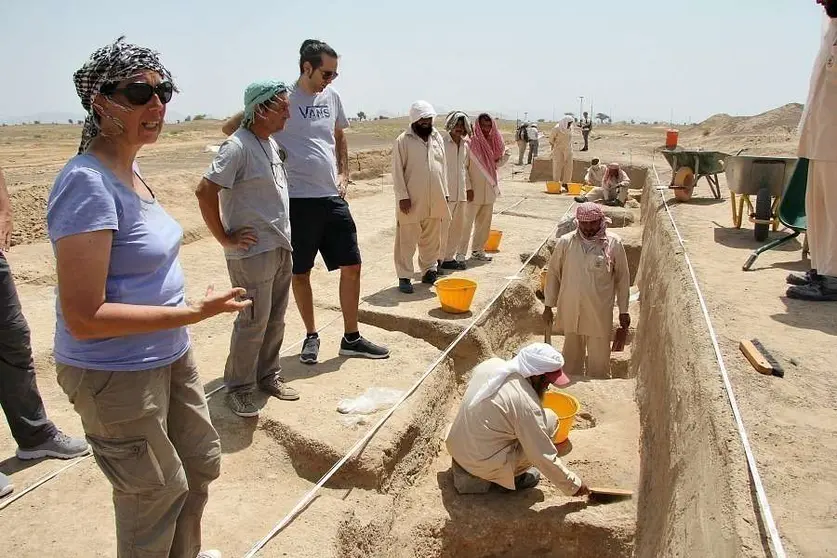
(254, 191)
(308, 139)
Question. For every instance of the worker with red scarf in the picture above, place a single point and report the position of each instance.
(588, 271)
(488, 153)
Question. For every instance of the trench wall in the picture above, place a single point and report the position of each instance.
(695, 494)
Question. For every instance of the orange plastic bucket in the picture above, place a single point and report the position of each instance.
(553, 187)
(455, 294)
(493, 242)
(671, 138)
(566, 407)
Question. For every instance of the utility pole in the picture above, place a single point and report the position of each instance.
(580, 105)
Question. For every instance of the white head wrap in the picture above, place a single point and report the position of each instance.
(533, 360)
(564, 124)
(421, 109)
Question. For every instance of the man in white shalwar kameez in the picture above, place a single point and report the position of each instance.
(562, 151)
(818, 143)
(457, 151)
(419, 176)
(587, 271)
(487, 154)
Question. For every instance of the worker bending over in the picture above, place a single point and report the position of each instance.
(595, 174)
(613, 190)
(587, 271)
(502, 430)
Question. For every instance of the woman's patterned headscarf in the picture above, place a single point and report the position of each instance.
(110, 64)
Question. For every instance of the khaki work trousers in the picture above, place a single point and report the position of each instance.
(259, 330)
(595, 349)
(478, 219)
(453, 231)
(152, 438)
(521, 151)
(821, 209)
(466, 483)
(427, 236)
(562, 165)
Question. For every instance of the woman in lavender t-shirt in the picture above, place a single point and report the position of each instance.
(121, 344)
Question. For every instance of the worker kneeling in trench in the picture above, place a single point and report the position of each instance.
(502, 430)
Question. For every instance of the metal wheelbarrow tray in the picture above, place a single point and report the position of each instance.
(698, 164)
(764, 177)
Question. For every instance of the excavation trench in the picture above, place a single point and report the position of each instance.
(658, 424)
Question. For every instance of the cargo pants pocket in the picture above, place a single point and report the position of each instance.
(129, 464)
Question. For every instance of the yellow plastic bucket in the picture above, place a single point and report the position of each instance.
(566, 407)
(574, 188)
(553, 187)
(456, 294)
(493, 242)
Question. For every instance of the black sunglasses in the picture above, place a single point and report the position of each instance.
(140, 93)
(327, 75)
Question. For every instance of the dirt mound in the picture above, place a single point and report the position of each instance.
(780, 120)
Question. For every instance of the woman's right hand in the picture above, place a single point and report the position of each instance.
(222, 303)
(243, 238)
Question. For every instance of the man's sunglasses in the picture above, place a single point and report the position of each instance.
(140, 93)
(329, 74)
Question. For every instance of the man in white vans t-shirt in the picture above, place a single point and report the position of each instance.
(317, 166)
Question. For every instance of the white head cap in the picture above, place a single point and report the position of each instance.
(421, 109)
(533, 360)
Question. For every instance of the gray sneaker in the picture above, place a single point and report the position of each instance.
(276, 386)
(6, 486)
(241, 403)
(59, 446)
(310, 350)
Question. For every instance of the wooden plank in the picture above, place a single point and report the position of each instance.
(756, 358)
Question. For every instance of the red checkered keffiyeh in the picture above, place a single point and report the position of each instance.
(590, 212)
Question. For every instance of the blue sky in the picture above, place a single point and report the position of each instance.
(640, 59)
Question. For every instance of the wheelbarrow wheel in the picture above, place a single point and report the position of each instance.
(763, 213)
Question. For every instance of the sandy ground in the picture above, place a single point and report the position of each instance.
(269, 464)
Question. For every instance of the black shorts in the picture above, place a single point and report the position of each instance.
(323, 225)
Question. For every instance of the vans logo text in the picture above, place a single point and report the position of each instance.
(315, 112)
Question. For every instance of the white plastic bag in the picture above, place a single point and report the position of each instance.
(372, 400)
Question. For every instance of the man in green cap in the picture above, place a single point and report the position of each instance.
(252, 223)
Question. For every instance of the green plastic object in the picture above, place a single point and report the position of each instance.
(791, 211)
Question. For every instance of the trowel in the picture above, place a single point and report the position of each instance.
(606, 495)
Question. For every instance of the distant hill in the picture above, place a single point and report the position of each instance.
(779, 120)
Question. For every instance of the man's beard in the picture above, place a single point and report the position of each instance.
(423, 131)
(540, 385)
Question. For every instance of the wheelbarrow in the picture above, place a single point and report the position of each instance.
(791, 213)
(689, 166)
(762, 177)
